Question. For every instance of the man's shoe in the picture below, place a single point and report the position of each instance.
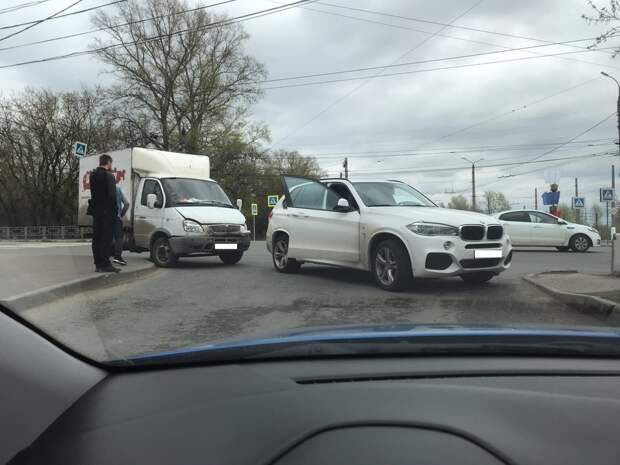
(119, 260)
(108, 269)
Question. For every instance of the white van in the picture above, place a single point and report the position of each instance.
(177, 210)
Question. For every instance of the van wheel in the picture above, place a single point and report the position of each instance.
(579, 243)
(162, 254)
(281, 260)
(231, 258)
(477, 278)
(391, 266)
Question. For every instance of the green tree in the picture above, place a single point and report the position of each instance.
(496, 202)
(458, 202)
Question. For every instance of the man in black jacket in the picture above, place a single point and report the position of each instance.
(104, 209)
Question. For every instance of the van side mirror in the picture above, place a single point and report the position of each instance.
(239, 204)
(342, 206)
(151, 200)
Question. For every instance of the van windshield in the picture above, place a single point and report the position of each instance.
(183, 191)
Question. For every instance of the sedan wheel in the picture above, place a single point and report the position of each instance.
(281, 260)
(579, 243)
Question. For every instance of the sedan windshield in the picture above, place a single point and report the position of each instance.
(181, 191)
(391, 194)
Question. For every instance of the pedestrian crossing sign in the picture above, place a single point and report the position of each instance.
(254, 209)
(607, 194)
(79, 149)
(272, 200)
(579, 202)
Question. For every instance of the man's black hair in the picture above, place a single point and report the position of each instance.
(104, 159)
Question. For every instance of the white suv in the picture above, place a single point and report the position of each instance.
(386, 227)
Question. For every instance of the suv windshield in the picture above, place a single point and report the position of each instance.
(180, 191)
(391, 194)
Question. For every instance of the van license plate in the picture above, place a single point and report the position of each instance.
(487, 253)
(225, 246)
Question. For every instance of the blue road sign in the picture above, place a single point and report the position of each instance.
(607, 194)
(272, 200)
(551, 198)
(79, 149)
(579, 202)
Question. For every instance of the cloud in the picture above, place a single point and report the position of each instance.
(473, 107)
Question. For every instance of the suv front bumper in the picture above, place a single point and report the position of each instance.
(458, 259)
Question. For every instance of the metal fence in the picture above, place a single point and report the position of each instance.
(24, 233)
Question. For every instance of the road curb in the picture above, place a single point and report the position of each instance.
(592, 303)
(27, 300)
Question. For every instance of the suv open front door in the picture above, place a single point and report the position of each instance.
(316, 230)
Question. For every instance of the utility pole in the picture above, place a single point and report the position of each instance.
(345, 165)
(536, 198)
(613, 176)
(577, 211)
(473, 180)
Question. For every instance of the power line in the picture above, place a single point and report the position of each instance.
(431, 60)
(443, 68)
(431, 154)
(355, 89)
(226, 22)
(129, 23)
(493, 165)
(77, 12)
(398, 26)
(52, 16)
(21, 6)
(426, 21)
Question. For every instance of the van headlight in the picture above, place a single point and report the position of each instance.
(433, 229)
(192, 227)
(244, 229)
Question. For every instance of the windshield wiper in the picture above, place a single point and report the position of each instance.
(209, 203)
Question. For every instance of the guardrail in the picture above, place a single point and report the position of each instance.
(24, 233)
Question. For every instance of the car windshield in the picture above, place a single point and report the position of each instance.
(230, 180)
(194, 191)
(390, 194)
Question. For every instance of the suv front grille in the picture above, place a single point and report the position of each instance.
(495, 232)
(472, 232)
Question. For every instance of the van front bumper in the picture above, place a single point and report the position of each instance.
(205, 245)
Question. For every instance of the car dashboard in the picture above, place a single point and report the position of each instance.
(413, 410)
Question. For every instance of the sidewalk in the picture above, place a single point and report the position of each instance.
(36, 273)
(594, 292)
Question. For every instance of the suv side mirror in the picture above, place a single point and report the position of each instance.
(151, 200)
(239, 204)
(342, 206)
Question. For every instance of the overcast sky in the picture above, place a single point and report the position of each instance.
(391, 126)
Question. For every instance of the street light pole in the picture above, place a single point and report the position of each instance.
(473, 180)
(613, 175)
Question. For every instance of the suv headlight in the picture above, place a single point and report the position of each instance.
(192, 227)
(433, 229)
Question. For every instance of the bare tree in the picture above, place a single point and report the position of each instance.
(184, 79)
(607, 15)
(38, 172)
(496, 202)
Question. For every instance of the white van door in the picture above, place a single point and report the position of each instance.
(147, 220)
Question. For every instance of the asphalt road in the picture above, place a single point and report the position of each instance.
(205, 301)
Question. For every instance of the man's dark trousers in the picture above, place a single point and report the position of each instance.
(118, 238)
(103, 230)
